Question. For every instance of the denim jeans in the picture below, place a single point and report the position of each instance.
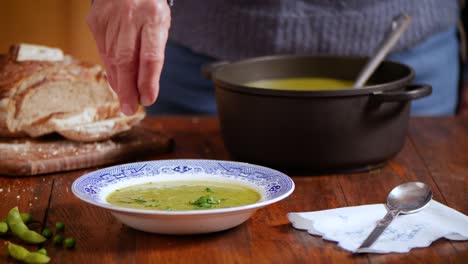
(435, 61)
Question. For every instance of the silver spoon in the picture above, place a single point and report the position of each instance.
(399, 24)
(406, 198)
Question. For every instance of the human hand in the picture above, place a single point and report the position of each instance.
(131, 36)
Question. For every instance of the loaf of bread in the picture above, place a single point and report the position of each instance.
(62, 95)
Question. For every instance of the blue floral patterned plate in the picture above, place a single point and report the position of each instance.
(94, 187)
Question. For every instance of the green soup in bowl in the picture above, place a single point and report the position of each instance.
(183, 195)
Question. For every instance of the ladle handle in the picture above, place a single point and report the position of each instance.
(399, 25)
(378, 230)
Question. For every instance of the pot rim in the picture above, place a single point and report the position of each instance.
(236, 87)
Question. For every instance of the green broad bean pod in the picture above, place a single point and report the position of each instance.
(25, 216)
(4, 226)
(20, 253)
(17, 226)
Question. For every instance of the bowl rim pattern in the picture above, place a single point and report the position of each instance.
(275, 184)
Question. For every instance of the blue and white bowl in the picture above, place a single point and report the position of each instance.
(94, 187)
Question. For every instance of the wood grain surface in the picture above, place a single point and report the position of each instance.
(435, 152)
(25, 157)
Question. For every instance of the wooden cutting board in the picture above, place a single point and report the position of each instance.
(25, 157)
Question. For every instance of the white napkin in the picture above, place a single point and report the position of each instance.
(350, 226)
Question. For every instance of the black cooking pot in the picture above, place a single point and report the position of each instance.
(321, 131)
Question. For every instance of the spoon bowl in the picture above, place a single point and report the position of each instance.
(409, 197)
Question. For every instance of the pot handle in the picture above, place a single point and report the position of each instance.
(411, 92)
(208, 69)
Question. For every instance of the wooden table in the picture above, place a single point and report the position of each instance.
(436, 152)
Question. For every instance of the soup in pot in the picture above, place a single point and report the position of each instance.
(302, 84)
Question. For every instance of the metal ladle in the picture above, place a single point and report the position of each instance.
(406, 198)
(399, 24)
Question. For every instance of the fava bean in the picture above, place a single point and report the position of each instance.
(47, 233)
(59, 226)
(58, 239)
(3, 228)
(20, 253)
(26, 217)
(69, 243)
(17, 226)
(43, 251)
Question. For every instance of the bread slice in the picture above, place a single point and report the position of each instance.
(99, 130)
(68, 96)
